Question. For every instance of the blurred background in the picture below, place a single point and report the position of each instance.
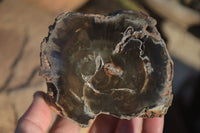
(24, 23)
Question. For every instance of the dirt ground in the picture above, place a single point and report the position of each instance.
(24, 24)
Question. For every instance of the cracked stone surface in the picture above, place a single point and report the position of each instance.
(116, 64)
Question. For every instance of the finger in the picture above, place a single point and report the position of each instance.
(37, 118)
(104, 124)
(129, 126)
(63, 125)
(153, 125)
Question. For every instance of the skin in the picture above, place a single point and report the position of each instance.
(38, 118)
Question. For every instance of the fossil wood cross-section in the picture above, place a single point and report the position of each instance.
(114, 64)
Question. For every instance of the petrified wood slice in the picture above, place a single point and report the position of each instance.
(116, 64)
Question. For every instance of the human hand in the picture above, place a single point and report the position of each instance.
(38, 117)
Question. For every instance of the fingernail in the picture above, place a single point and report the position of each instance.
(38, 94)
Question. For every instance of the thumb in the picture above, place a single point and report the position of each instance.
(37, 118)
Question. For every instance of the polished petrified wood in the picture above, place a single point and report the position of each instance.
(116, 64)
